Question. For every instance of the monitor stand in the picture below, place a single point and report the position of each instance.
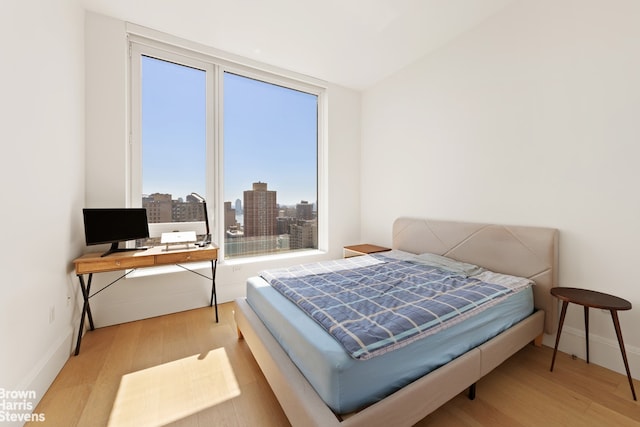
(114, 248)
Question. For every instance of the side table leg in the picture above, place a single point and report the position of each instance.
(616, 325)
(560, 323)
(586, 329)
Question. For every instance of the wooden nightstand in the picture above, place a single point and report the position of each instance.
(357, 250)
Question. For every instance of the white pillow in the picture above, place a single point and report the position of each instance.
(449, 264)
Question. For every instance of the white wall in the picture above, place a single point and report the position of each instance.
(532, 119)
(42, 175)
(107, 121)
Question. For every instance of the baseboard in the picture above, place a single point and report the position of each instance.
(602, 351)
(45, 371)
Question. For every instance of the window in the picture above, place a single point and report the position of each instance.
(270, 167)
(171, 138)
(250, 148)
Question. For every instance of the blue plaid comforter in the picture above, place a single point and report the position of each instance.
(374, 304)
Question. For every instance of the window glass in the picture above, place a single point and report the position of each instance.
(173, 134)
(270, 167)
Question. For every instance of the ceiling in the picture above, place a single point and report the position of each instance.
(354, 43)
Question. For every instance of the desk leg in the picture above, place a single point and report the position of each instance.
(214, 296)
(555, 349)
(616, 325)
(586, 329)
(86, 309)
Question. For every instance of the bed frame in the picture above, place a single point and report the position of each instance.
(518, 250)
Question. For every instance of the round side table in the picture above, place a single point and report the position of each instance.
(594, 299)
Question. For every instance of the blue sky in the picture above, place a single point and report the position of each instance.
(270, 135)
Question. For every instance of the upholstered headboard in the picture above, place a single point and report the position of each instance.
(523, 251)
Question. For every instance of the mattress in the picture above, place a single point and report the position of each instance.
(347, 384)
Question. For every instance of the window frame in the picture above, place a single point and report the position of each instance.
(138, 50)
(215, 64)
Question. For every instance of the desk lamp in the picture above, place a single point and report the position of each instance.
(207, 237)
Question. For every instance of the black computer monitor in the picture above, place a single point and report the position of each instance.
(114, 225)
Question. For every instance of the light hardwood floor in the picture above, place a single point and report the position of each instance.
(184, 369)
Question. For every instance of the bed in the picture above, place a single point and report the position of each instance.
(529, 252)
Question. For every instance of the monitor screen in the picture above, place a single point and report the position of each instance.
(113, 225)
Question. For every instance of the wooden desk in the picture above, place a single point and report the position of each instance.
(594, 299)
(131, 260)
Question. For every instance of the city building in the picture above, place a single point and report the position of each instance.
(229, 217)
(260, 211)
(159, 207)
(303, 234)
(163, 208)
(304, 210)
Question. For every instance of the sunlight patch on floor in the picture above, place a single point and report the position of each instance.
(174, 390)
